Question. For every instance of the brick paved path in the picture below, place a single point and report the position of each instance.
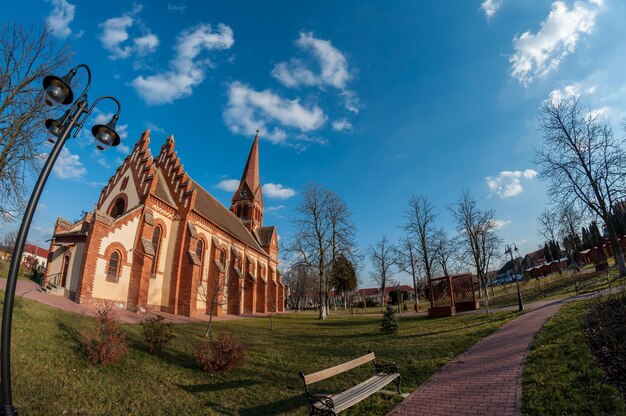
(484, 380)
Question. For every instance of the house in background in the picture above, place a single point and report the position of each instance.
(157, 240)
(34, 258)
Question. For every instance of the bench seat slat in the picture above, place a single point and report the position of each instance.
(361, 391)
(332, 371)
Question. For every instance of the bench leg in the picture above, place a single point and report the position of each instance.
(398, 381)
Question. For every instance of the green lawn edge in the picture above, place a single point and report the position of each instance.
(561, 376)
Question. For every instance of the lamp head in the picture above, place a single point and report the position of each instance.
(54, 127)
(58, 91)
(105, 134)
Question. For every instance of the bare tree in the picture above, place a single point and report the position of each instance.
(301, 281)
(420, 224)
(323, 231)
(478, 230)
(548, 224)
(212, 294)
(570, 220)
(8, 241)
(406, 259)
(26, 55)
(381, 254)
(445, 248)
(583, 162)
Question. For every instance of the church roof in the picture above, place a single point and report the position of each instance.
(213, 210)
(162, 191)
(250, 176)
(264, 235)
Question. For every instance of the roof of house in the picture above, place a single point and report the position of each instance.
(35, 250)
(264, 235)
(210, 208)
(370, 291)
(536, 255)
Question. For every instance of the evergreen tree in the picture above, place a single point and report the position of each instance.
(546, 253)
(389, 324)
(555, 250)
(587, 244)
(594, 233)
(343, 276)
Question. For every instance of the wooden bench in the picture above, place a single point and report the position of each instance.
(331, 404)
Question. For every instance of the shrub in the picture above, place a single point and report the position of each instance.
(405, 307)
(157, 333)
(389, 325)
(223, 355)
(106, 343)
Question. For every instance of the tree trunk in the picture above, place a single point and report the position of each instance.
(618, 254)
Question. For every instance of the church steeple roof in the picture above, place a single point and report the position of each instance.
(250, 174)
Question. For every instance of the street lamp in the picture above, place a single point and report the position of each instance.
(510, 248)
(57, 92)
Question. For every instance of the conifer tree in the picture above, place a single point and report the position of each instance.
(389, 324)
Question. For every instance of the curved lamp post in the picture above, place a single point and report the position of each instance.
(510, 248)
(57, 91)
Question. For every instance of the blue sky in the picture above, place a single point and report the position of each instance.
(375, 100)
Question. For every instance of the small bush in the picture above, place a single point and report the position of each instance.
(223, 355)
(405, 307)
(157, 333)
(389, 325)
(106, 343)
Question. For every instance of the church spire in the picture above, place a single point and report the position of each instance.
(251, 171)
(247, 202)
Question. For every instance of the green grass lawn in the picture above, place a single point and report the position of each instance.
(52, 377)
(561, 376)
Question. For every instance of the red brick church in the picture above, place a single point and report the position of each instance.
(158, 241)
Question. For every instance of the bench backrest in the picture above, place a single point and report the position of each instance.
(338, 369)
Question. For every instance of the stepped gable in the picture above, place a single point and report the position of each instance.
(141, 164)
(176, 185)
(210, 208)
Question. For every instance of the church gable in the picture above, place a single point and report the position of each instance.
(176, 179)
(131, 181)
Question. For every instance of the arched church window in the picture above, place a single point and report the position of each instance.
(118, 208)
(156, 244)
(200, 254)
(113, 269)
(244, 213)
(222, 256)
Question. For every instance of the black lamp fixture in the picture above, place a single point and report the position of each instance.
(510, 248)
(57, 92)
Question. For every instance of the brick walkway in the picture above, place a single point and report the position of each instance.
(29, 290)
(487, 378)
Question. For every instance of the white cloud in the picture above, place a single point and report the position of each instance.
(274, 208)
(154, 127)
(115, 35)
(60, 18)
(229, 185)
(536, 55)
(68, 166)
(333, 69)
(176, 8)
(278, 191)
(342, 125)
(186, 70)
(509, 183)
(248, 110)
(500, 223)
(490, 7)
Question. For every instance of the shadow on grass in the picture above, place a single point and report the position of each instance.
(73, 335)
(226, 385)
(276, 408)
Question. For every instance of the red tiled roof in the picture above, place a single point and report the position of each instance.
(36, 251)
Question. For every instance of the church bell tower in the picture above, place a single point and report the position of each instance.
(247, 202)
